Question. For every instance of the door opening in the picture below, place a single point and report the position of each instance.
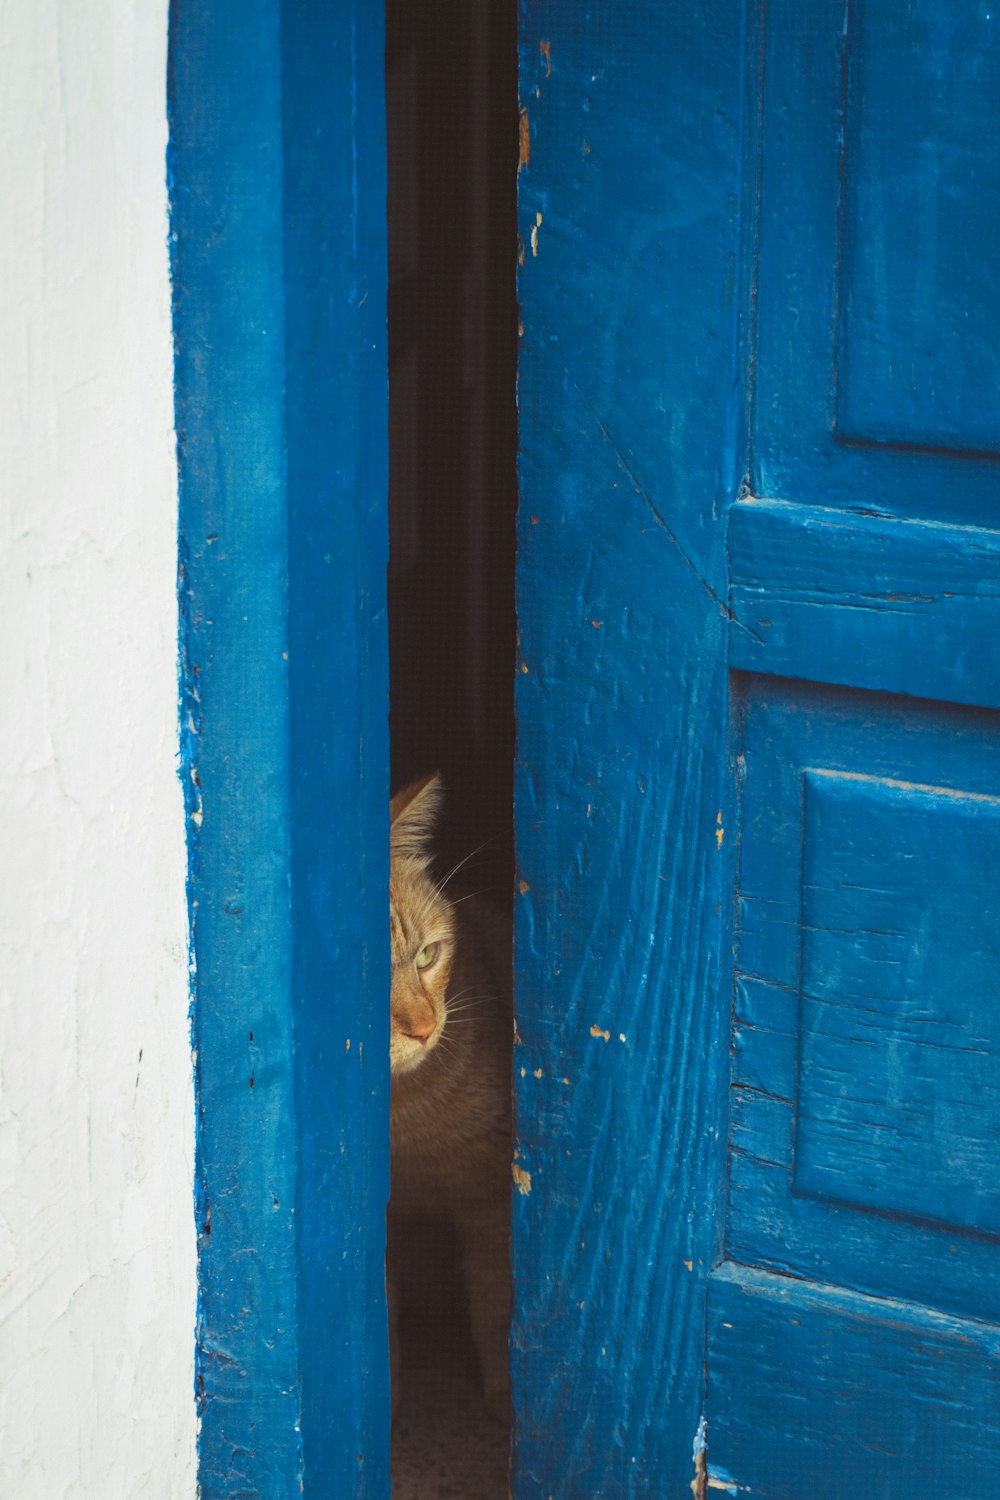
(451, 87)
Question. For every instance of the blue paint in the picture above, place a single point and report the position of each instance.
(626, 407)
(278, 259)
(814, 1390)
(866, 1055)
(809, 585)
(757, 595)
(877, 375)
(852, 1344)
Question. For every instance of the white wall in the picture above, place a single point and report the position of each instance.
(97, 1260)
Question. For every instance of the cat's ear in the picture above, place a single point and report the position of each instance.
(412, 815)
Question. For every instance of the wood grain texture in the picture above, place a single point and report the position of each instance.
(866, 1050)
(629, 440)
(277, 161)
(852, 1325)
(876, 373)
(815, 1391)
(808, 583)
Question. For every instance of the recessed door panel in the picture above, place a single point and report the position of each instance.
(875, 302)
(860, 1280)
(865, 1118)
(898, 1086)
(918, 364)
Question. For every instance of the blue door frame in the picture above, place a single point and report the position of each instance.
(277, 174)
(683, 291)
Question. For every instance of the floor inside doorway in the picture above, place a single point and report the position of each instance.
(444, 1445)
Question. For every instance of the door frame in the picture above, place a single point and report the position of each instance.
(278, 256)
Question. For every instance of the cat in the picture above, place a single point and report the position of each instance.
(450, 1065)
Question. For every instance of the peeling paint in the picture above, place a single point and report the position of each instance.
(534, 233)
(698, 1454)
(524, 140)
(719, 1480)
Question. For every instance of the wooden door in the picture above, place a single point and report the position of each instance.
(758, 1072)
(279, 276)
(853, 1341)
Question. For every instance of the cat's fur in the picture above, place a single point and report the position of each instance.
(450, 1059)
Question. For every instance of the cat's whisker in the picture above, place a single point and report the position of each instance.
(463, 997)
(473, 894)
(450, 1134)
(455, 868)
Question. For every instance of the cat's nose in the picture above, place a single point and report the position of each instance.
(420, 1030)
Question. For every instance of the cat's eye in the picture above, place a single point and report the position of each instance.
(427, 955)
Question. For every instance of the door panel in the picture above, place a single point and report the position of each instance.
(818, 1391)
(852, 1342)
(846, 492)
(866, 1046)
(877, 370)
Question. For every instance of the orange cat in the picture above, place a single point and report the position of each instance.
(450, 1060)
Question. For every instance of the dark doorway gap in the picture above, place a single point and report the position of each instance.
(452, 115)
(452, 134)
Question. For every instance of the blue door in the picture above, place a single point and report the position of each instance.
(758, 1071)
(853, 1342)
(279, 278)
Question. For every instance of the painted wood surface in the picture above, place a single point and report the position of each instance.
(850, 1346)
(866, 1051)
(817, 1391)
(278, 201)
(853, 1340)
(630, 418)
(807, 582)
(877, 377)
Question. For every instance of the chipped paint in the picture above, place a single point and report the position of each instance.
(248, 361)
(545, 48)
(602, 930)
(698, 1455)
(522, 1179)
(720, 832)
(524, 140)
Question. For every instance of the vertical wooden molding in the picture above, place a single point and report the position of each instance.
(631, 416)
(278, 257)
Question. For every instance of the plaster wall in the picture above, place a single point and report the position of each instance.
(97, 1253)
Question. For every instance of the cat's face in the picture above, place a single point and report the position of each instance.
(422, 928)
